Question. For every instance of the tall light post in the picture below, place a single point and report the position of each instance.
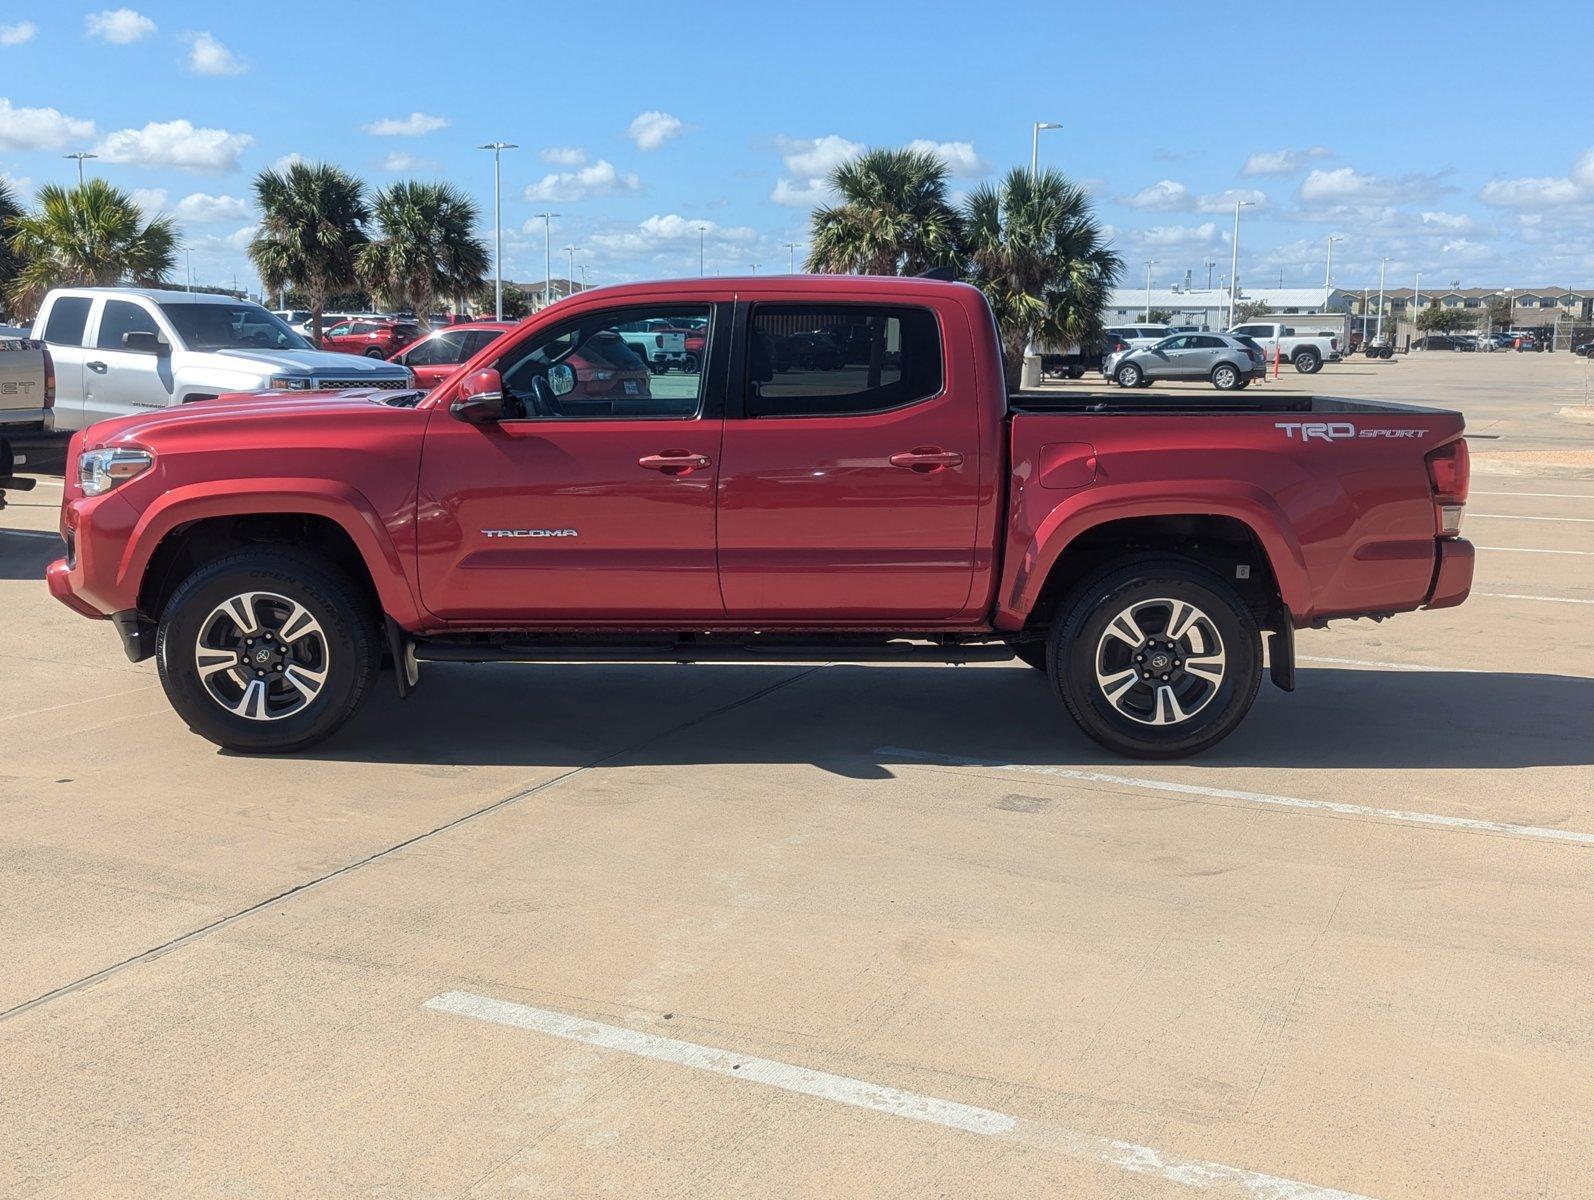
(547, 256)
(498, 232)
(791, 257)
(701, 230)
(80, 155)
(1234, 258)
(1328, 267)
(1150, 262)
(753, 267)
(1209, 264)
(570, 270)
(1382, 263)
(1035, 145)
(1416, 301)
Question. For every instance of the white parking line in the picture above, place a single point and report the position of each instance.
(1519, 596)
(859, 1093)
(1528, 550)
(1540, 495)
(1509, 517)
(1472, 824)
(1385, 666)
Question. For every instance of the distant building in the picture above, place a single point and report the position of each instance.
(1208, 308)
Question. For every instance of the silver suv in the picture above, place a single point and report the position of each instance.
(1228, 362)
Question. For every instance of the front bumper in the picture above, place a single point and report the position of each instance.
(1452, 578)
(90, 579)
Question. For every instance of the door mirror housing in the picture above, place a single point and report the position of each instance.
(481, 398)
(143, 342)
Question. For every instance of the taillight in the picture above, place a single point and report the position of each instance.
(1333, 343)
(1450, 473)
(49, 377)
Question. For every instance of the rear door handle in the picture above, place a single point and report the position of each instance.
(675, 462)
(926, 459)
(97, 366)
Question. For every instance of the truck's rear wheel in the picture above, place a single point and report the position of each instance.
(1308, 363)
(1156, 659)
(265, 651)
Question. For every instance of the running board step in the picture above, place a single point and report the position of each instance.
(463, 650)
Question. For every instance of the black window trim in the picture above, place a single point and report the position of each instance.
(736, 396)
(711, 394)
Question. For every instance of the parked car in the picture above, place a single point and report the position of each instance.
(658, 342)
(27, 383)
(808, 352)
(1227, 362)
(275, 556)
(293, 318)
(1435, 341)
(1139, 336)
(1306, 352)
(123, 350)
(372, 338)
(439, 354)
(1076, 361)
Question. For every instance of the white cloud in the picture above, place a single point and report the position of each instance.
(809, 162)
(564, 156)
(207, 56)
(1541, 192)
(118, 25)
(200, 207)
(398, 160)
(1583, 170)
(960, 158)
(292, 159)
(39, 128)
(175, 144)
(1346, 185)
(1281, 162)
(1224, 201)
(18, 34)
(650, 130)
(1169, 195)
(1171, 237)
(151, 200)
(1447, 222)
(21, 185)
(413, 125)
(599, 179)
(660, 231)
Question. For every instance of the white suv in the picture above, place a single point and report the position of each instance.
(123, 350)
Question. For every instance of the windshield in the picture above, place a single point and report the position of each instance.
(240, 326)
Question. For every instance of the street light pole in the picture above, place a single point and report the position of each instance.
(791, 257)
(1328, 267)
(1382, 263)
(570, 271)
(498, 233)
(547, 257)
(1234, 258)
(701, 230)
(1035, 145)
(1150, 262)
(80, 155)
(1416, 301)
(1209, 264)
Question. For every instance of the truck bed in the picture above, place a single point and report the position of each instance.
(1123, 401)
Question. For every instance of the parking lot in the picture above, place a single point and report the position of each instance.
(766, 930)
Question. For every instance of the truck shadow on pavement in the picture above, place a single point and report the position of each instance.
(25, 553)
(839, 717)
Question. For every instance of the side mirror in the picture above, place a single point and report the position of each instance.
(481, 398)
(143, 342)
(561, 379)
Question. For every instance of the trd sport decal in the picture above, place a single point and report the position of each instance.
(1335, 431)
(529, 533)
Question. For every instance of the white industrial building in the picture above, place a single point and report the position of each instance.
(1208, 308)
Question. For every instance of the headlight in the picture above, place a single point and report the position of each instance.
(98, 471)
(291, 383)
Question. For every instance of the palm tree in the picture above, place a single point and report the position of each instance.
(428, 246)
(10, 262)
(311, 229)
(1037, 253)
(893, 218)
(92, 234)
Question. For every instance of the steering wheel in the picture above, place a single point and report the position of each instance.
(543, 401)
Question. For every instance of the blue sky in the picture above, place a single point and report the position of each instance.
(1465, 152)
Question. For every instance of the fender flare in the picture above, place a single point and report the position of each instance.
(334, 500)
(1251, 506)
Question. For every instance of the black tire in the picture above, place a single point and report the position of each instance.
(1079, 635)
(1307, 362)
(373, 352)
(1129, 375)
(1035, 654)
(348, 628)
(1387, 352)
(1076, 372)
(689, 365)
(1226, 377)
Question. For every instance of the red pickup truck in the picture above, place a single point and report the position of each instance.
(275, 552)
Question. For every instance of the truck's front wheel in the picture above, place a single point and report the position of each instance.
(263, 651)
(1156, 659)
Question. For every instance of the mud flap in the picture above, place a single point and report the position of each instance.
(406, 670)
(1281, 652)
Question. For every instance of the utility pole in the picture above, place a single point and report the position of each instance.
(498, 232)
(80, 155)
(1035, 145)
(547, 260)
(1234, 264)
(701, 230)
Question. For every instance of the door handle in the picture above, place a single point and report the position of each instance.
(926, 459)
(100, 367)
(674, 462)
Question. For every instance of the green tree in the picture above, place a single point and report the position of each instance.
(1035, 250)
(1434, 319)
(1251, 310)
(10, 261)
(516, 306)
(426, 246)
(311, 229)
(88, 235)
(893, 218)
(1159, 316)
(1498, 309)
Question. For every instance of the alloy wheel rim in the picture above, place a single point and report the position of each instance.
(1225, 376)
(262, 656)
(1160, 662)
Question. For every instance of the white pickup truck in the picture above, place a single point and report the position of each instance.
(124, 350)
(27, 383)
(1308, 352)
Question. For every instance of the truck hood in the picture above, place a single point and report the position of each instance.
(309, 362)
(276, 413)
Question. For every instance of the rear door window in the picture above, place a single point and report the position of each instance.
(69, 316)
(807, 360)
